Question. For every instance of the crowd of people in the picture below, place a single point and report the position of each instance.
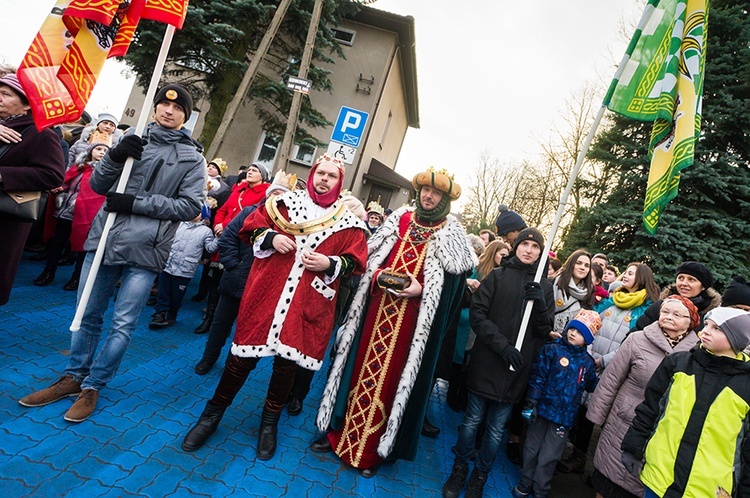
(406, 296)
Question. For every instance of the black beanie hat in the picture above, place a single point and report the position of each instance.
(737, 292)
(177, 94)
(529, 233)
(698, 271)
(508, 221)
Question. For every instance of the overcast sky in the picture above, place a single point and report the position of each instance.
(490, 73)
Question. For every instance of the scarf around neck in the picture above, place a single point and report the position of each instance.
(629, 300)
(440, 211)
(572, 293)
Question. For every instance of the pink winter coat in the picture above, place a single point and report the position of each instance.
(620, 390)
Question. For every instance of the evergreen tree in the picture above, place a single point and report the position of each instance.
(209, 54)
(709, 221)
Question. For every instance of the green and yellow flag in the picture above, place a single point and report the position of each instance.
(662, 81)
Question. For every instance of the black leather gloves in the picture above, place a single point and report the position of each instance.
(513, 357)
(119, 203)
(535, 293)
(129, 146)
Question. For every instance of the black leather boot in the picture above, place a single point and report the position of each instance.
(267, 434)
(452, 487)
(204, 366)
(46, 278)
(207, 424)
(158, 321)
(428, 429)
(475, 489)
(208, 318)
(72, 284)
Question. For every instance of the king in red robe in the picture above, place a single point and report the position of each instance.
(303, 242)
(392, 338)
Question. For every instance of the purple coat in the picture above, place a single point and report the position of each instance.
(36, 163)
(621, 388)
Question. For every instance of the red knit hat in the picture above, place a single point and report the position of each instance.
(695, 318)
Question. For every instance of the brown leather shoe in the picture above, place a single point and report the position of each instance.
(83, 407)
(62, 388)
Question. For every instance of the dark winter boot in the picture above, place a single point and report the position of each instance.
(575, 462)
(267, 434)
(208, 318)
(452, 487)
(46, 278)
(207, 424)
(158, 321)
(428, 429)
(72, 284)
(475, 489)
(204, 366)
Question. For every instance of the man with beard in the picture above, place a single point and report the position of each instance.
(303, 242)
(376, 395)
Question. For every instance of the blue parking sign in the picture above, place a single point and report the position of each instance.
(350, 126)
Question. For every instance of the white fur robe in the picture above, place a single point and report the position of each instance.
(448, 251)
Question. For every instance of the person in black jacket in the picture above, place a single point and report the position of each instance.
(496, 314)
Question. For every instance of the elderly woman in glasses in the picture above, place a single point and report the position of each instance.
(622, 387)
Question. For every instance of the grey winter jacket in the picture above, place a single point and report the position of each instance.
(169, 185)
(621, 388)
(187, 248)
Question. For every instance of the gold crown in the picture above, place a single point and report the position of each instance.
(325, 158)
(100, 138)
(220, 164)
(374, 207)
(281, 179)
(438, 179)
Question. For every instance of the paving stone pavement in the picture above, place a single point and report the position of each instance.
(130, 446)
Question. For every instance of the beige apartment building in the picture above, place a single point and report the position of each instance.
(378, 77)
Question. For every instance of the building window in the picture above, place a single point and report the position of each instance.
(303, 154)
(190, 124)
(267, 154)
(344, 36)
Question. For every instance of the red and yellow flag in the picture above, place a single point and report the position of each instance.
(61, 67)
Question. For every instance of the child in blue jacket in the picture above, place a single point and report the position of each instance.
(562, 370)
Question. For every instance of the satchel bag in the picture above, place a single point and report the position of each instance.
(21, 205)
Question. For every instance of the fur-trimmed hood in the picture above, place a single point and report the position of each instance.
(710, 293)
(448, 251)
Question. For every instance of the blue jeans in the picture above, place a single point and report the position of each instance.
(135, 288)
(497, 414)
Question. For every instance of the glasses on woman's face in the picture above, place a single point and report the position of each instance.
(673, 314)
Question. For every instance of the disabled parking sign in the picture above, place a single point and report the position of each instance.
(350, 126)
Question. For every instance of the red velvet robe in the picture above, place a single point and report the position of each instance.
(383, 351)
(287, 310)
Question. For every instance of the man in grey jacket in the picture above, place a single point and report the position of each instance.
(167, 185)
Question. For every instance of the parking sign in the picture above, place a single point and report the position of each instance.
(350, 126)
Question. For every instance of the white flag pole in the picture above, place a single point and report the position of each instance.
(542, 269)
(124, 176)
